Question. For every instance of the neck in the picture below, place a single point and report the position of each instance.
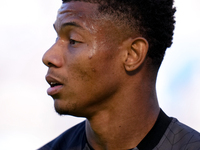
(125, 123)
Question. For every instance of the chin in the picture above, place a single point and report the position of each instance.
(69, 112)
(64, 108)
(62, 112)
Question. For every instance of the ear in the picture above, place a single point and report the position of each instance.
(136, 52)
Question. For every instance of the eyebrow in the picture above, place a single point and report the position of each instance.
(69, 24)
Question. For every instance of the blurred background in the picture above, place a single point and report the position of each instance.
(27, 116)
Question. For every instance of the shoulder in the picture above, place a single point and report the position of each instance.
(73, 138)
(179, 136)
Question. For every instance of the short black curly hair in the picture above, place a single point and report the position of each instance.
(153, 19)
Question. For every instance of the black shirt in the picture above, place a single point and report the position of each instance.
(167, 134)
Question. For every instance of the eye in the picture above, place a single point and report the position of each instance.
(73, 42)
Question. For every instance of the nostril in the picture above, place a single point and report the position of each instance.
(44, 60)
(48, 59)
(49, 64)
(53, 57)
(51, 60)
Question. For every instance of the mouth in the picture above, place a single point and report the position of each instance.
(55, 86)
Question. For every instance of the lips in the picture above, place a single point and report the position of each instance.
(55, 85)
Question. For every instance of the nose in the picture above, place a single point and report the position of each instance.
(53, 57)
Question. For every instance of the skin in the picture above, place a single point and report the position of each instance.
(105, 77)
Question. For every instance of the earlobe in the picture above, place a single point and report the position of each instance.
(136, 53)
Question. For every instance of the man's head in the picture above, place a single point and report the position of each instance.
(151, 19)
(97, 60)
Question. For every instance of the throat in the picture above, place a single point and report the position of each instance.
(118, 131)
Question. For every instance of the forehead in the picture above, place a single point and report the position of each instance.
(86, 16)
(78, 6)
(82, 13)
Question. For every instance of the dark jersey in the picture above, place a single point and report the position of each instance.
(167, 134)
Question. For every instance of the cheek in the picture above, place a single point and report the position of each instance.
(81, 66)
(80, 72)
(93, 64)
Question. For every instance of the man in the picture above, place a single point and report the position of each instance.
(103, 66)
